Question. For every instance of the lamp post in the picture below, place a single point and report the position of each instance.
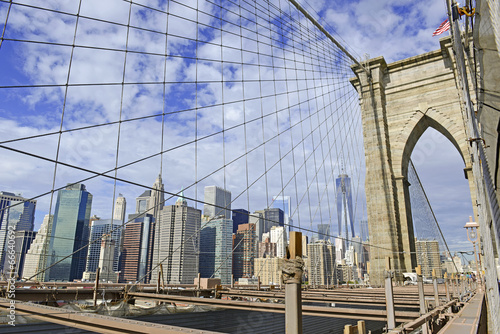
(472, 235)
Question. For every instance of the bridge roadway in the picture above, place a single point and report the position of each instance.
(51, 292)
(348, 303)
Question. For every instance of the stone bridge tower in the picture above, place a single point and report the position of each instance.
(398, 104)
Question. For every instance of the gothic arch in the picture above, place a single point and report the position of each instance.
(399, 101)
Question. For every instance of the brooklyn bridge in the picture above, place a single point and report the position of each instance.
(274, 169)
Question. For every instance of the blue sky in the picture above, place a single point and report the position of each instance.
(397, 30)
(393, 29)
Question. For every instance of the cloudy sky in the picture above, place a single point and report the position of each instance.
(205, 114)
(397, 30)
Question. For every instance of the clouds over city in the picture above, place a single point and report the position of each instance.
(271, 98)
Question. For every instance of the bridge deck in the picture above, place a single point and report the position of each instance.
(469, 319)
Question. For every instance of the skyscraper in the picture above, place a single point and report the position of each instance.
(70, 232)
(217, 202)
(137, 249)
(240, 216)
(278, 236)
(16, 214)
(107, 259)
(177, 243)
(216, 244)
(428, 257)
(22, 243)
(284, 203)
(245, 251)
(99, 228)
(344, 207)
(364, 234)
(323, 232)
(36, 257)
(321, 265)
(151, 201)
(120, 210)
(271, 217)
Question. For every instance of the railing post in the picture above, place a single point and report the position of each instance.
(436, 291)
(446, 287)
(198, 286)
(232, 281)
(462, 288)
(453, 286)
(258, 283)
(389, 296)
(292, 277)
(96, 285)
(421, 297)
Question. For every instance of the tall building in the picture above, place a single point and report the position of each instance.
(321, 264)
(271, 217)
(107, 259)
(151, 201)
(177, 243)
(16, 214)
(99, 228)
(240, 216)
(428, 257)
(344, 207)
(278, 236)
(268, 269)
(339, 249)
(244, 245)
(36, 257)
(22, 243)
(284, 203)
(257, 220)
(323, 232)
(70, 232)
(365, 235)
(216, 243)
(266, 248)
(120, 210)
(137, 248)
(217, 202)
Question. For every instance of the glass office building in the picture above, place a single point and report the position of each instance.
(70, 232)
(16, 214)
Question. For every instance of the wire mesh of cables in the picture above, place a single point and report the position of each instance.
(430, 242)
(245, 95)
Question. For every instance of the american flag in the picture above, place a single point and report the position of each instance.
(445, 26)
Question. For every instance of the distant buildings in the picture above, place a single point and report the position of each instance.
(321, 263)
(36, 257)
(151, 201)
(107, 259)
(177, 243)
(119, 212)
(217, 202)
(16, 214)
(278, 236)
(240, 216)
(70, 233)
(137, 249)
(99, 228)
(268, 269)
(216, 245)
(267, 218)
(345, 214)
(245, 241)
(284, 203)
(323, 232)
(428, 257)
(22, 243)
